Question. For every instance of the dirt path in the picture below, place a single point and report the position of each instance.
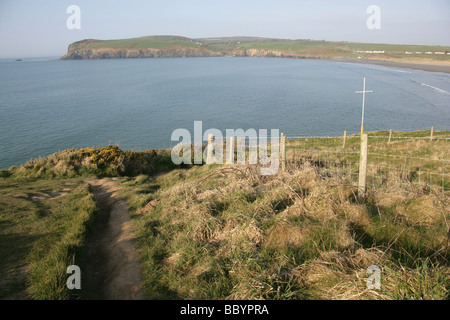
(110, 269)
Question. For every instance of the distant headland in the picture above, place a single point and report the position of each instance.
(429, 58)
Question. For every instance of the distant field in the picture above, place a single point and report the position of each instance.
(140, 43)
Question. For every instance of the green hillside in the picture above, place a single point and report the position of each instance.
(256, 46)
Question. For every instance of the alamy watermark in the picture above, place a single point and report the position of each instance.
(258, 147)
(74, 280)
(373, 22)
(374, 281)
(74, 20)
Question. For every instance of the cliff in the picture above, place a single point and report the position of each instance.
(96, 49)
(176, 46)
(113, 53)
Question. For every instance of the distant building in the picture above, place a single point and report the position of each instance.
(370, 51)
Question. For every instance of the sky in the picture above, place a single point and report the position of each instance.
(34, 28)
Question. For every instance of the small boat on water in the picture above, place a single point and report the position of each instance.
(18, 59)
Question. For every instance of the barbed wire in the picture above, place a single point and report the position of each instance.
(356, 164)
(353, 136)
(370, 136)
(370, 153)
(413, 138)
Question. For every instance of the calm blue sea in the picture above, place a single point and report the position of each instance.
(48, 105)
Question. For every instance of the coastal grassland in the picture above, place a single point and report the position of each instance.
(139, 43)
(411, 153)
(42, 228)
(46, 211)
(330, 49)
(225, 232)
(215, 232)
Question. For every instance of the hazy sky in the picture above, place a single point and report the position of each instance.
(38, 28)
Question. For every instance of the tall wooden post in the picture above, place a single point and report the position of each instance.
(345, 137)
(210, 148)
(390, 136)
(363, 167)
(431, 136)
(283, 152)
(230, 159)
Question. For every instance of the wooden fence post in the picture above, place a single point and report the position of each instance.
(390, 136)
(283, 152)
(431, 136)
(231, 151)
(345, 137)
(210, 148)
(363, 167)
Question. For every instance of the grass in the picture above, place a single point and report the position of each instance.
(290, 236)
(47, 210)
(225, 232)
(140, 43)
(412, 156)
(42, 228)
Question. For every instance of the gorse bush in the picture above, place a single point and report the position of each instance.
(101, 161)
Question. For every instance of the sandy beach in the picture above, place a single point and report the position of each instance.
(432, 67)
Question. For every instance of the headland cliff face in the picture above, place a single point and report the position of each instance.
(86, 49)
(121, 53)
(115, 53)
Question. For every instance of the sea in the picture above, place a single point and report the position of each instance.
(47, 104)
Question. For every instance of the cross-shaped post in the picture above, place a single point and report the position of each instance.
(364, 98)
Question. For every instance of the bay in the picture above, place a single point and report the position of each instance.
(48, 105)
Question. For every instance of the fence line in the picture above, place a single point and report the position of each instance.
(356, 136)
(412, 138)
(376, 174)
(320, 161)
(371, 153)
(361, 174)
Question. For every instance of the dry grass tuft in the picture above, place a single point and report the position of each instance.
(284, 234)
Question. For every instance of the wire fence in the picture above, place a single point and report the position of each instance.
(418, 162)
(404, 159)
(377, 175)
